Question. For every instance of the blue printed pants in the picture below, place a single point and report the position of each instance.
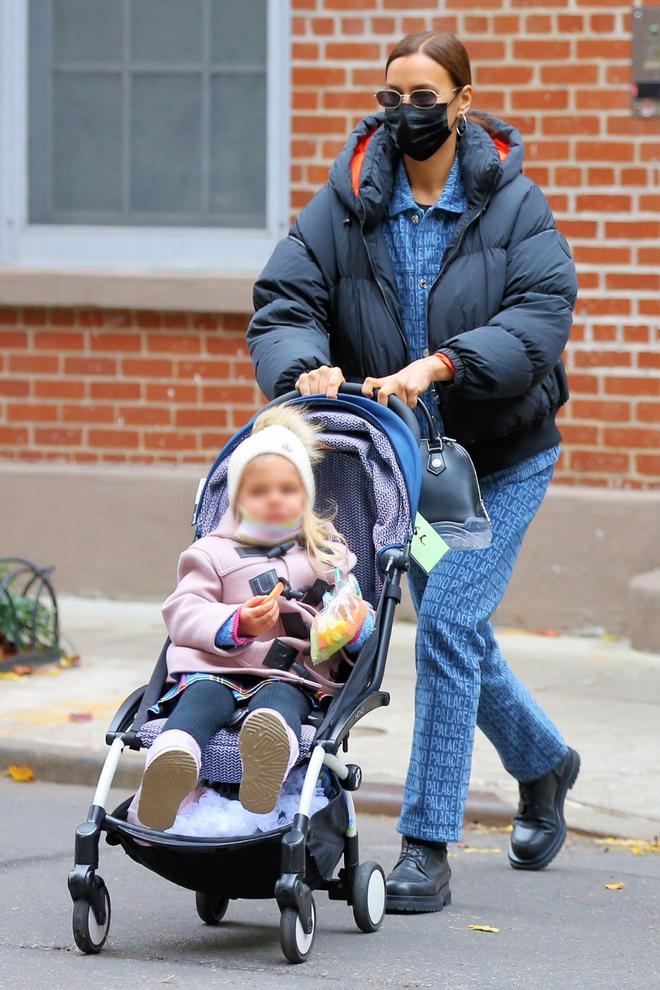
(462, 678)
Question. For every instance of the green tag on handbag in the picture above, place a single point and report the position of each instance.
(427, 547)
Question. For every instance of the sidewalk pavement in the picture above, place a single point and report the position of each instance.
(604, 696)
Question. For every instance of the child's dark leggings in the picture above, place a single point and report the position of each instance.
(204, 707)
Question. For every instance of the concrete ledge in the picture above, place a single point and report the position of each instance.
(117, 531)
(218, 292)
(68, 765)
(644, 605)
(112, 532)
(579, 555)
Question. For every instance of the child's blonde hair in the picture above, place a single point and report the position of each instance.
(326, 546)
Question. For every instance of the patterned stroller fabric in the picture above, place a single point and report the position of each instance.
(359, 476)
(221, 760)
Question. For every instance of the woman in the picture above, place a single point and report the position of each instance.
(430, 267)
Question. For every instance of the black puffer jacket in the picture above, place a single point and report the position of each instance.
(500, 308)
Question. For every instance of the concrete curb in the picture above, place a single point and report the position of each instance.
(70, 765)
(56, 764)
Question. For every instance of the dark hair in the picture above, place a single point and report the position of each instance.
(445, 49)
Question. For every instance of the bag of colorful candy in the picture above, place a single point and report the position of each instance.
(339, 620)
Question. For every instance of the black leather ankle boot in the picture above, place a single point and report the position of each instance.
(420, 880)
(539, 829)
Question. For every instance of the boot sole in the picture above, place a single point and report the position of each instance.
(422, 904)
(264, 748)
(547, 858)
(166, 781)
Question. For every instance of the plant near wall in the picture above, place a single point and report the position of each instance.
(29, 621)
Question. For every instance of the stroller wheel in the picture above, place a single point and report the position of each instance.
(89, 935)
(296, 944)
(369, 896)
(211, 907)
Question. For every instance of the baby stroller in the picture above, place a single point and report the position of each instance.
(372, 472)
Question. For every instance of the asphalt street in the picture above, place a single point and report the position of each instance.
(557, 930)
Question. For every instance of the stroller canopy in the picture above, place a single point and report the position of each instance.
(371, 474)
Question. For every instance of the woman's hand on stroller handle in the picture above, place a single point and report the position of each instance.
(311, 383)
(257, 615)
(319, 380)
(409, 383)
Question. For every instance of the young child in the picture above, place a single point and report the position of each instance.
(236, 650)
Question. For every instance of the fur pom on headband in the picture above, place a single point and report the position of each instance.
(292, 418)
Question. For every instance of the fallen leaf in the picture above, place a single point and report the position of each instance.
(22, 669)
(9, 675)
(478, 849)
(21, 774)
(548, 632)
(483, 928)
(69, 660)
(614, 886)
(80, 716)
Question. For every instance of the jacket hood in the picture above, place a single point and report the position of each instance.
(226, 527)
(490, 153)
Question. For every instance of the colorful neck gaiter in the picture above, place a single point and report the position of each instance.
(264, 534)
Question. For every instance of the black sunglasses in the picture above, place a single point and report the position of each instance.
(423, 99)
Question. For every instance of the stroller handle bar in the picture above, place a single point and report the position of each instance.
(394, 403)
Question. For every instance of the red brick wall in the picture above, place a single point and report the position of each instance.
(109, 385)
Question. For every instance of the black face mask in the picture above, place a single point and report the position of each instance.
(418, 133)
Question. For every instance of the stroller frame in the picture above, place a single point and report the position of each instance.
(361, 886)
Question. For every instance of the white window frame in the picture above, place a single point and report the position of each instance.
(137, 248)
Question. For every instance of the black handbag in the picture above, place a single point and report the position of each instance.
(450, 498)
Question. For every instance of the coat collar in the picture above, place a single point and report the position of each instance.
(452, 199)
(490, 154)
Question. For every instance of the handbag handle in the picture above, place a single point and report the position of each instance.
(435, 440)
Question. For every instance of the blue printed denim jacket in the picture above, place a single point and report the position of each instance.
(417, 239)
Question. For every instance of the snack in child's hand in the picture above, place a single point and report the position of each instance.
(339, 621)
(275, 592)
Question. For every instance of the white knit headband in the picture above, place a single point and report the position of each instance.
(274, 439)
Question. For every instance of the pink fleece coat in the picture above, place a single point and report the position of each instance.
(213, 581)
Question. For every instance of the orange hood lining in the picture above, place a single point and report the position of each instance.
(357, 161)
(502, 147)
